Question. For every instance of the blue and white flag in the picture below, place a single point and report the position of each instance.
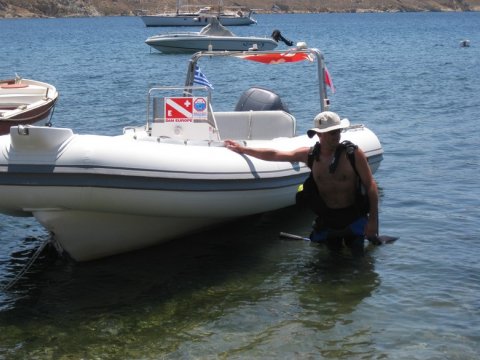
(200, 78)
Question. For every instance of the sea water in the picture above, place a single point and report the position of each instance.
(239, 291)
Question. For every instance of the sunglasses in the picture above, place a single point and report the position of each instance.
(335, 132)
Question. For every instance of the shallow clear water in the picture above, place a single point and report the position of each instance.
(239, 291)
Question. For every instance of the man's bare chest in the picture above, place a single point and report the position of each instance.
(343, 173)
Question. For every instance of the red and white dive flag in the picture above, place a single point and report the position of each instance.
(288, 57)
(277, 58)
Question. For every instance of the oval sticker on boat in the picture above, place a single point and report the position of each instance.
(200, 104)
(200, 108)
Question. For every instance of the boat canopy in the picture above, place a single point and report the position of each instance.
(272, 57)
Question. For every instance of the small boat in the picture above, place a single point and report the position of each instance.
(465, 43)
(171, 176)
(200, 17)
(25, 102)
(214, 36)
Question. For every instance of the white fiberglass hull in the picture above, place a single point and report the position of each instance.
(193, 42)
(194, 20)
(102, 195)
(106, 234)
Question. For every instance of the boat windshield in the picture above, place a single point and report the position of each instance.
(214, 28)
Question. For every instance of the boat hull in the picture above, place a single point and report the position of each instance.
(109, 234)
(193, 20)
(94, 222)
(191, 43)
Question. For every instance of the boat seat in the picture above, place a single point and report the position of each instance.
(255, 125)
(23, 90)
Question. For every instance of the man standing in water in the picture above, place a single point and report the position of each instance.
(341, 218)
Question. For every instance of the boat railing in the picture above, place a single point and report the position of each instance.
(176, 33)
(181, 112)
(274, 57)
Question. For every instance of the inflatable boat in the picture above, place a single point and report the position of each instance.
(104, 195)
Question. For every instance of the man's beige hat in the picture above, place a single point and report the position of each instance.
(327, 121)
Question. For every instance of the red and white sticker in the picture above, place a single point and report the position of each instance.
(185, 109)
(178, 109)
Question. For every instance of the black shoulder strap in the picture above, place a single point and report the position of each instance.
(362, 198)
(350, 149)
(313, 154)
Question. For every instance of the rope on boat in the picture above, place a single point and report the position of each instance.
(27, 266)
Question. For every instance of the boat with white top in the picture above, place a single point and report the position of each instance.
(201, 17)
(25, 102)
(214, 36)
(104, 195)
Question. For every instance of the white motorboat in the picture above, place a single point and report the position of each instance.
(25, 102)
(180, 17)
(214, 36)
(104, 195)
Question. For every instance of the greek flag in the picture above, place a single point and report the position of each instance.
(200, 78)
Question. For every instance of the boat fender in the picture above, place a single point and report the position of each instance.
(277, 36)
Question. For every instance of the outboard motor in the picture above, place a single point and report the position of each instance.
(277, 36)
(257, 99)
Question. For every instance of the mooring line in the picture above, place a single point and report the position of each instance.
(27, 266)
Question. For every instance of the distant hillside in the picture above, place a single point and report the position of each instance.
(69, 8)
